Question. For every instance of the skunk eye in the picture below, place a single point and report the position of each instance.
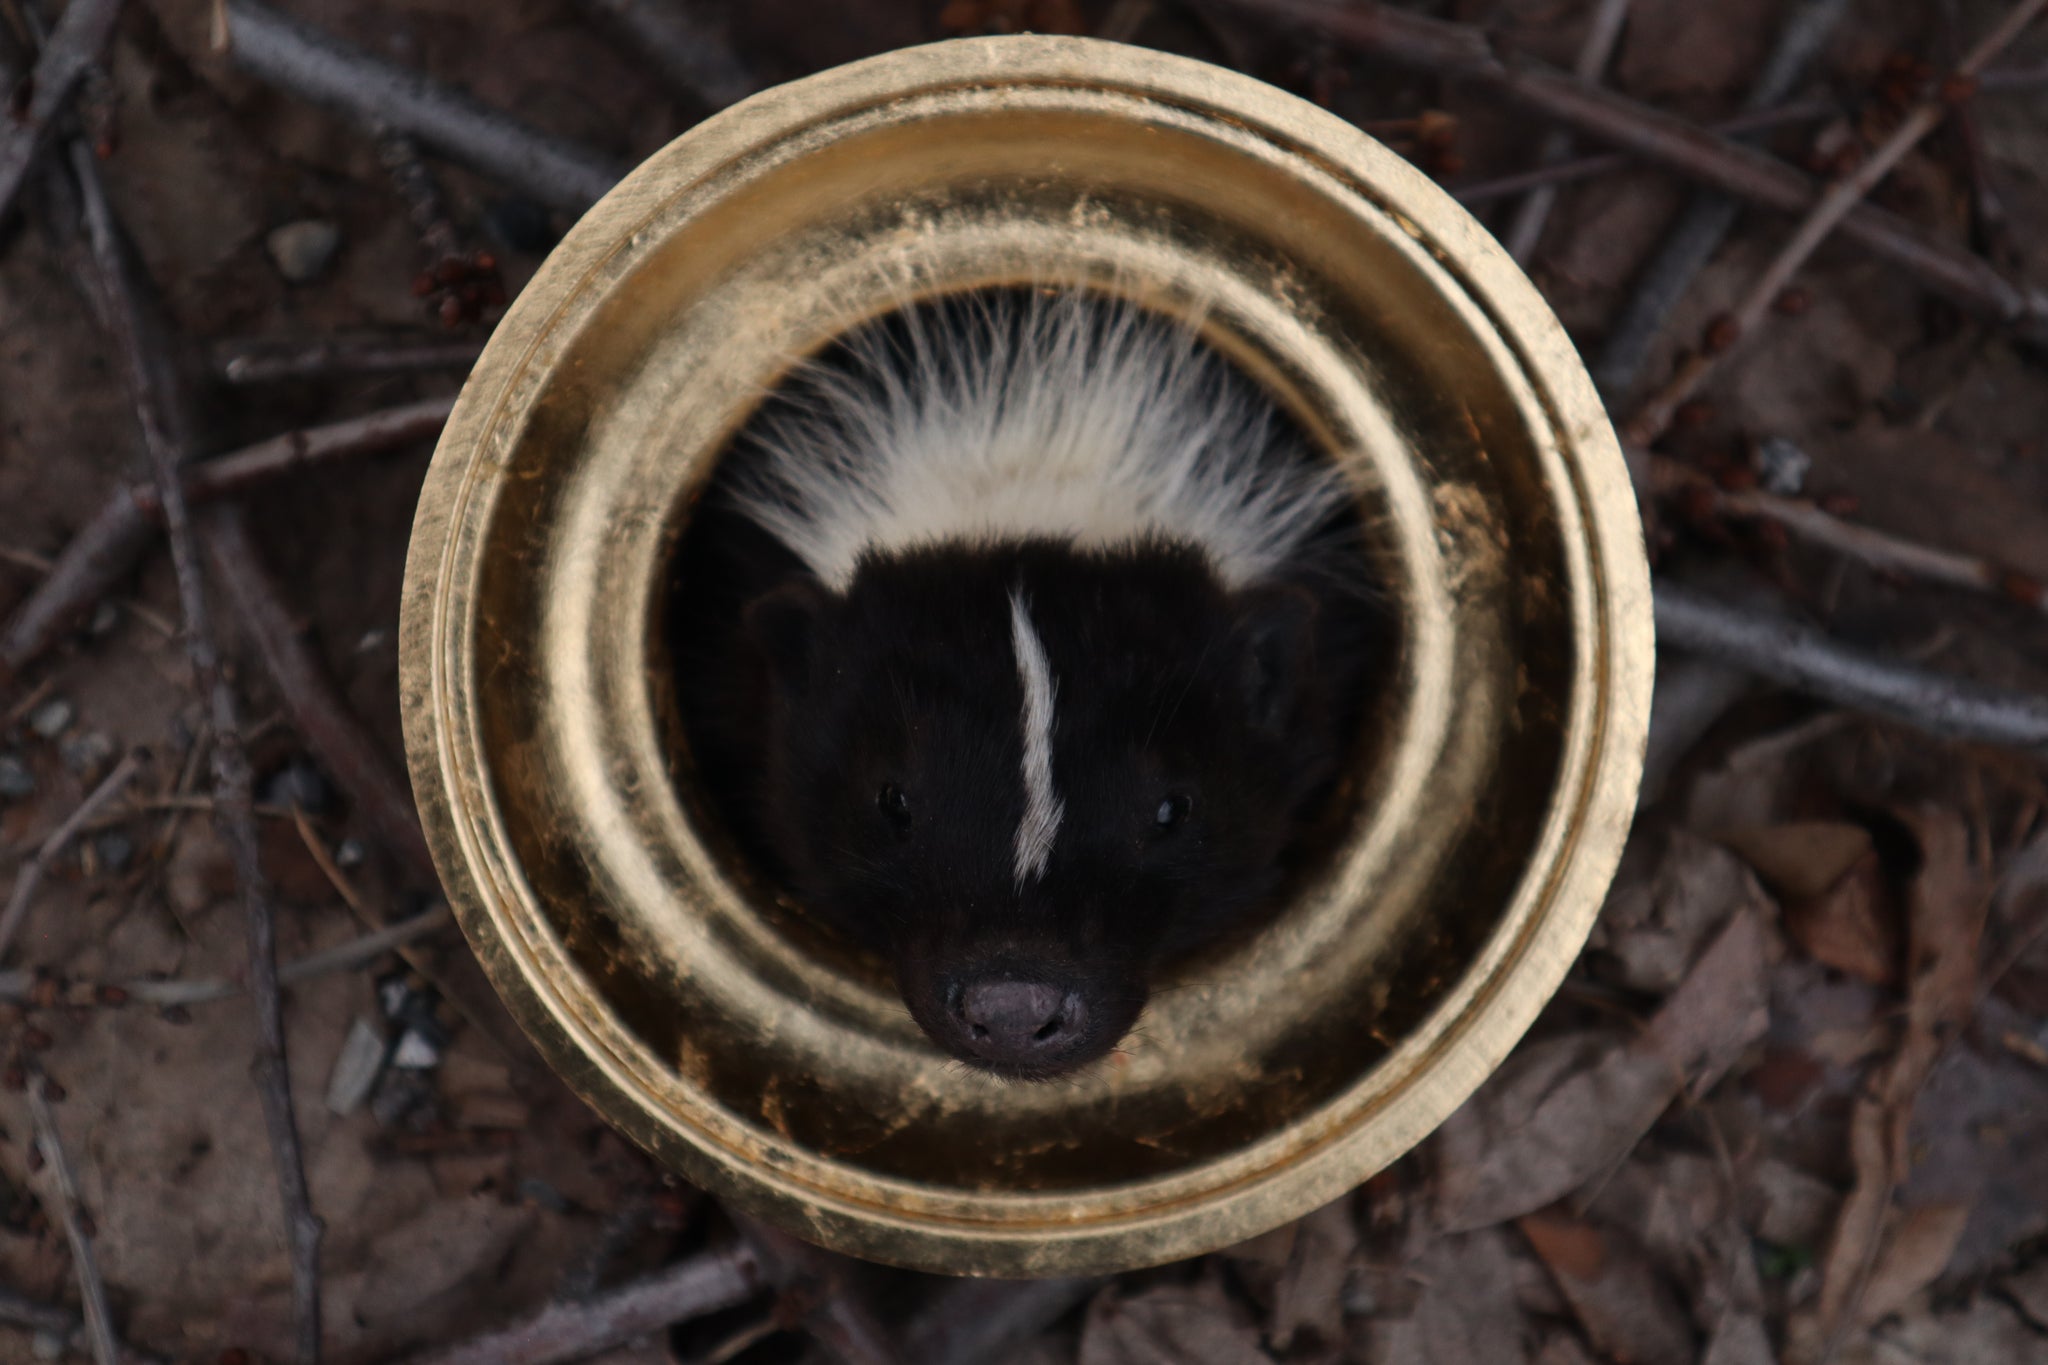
(1172, 811)
(894, 804)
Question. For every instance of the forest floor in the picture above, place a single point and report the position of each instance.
(1792, 1103)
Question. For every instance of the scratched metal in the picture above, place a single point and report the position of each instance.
(1478, 830)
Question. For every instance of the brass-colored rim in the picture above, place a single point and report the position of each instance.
(534, 354)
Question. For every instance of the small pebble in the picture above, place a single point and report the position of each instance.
(105, 617)
(52, 718)
(416, 1051)
(1782, 466)
(302, 250)
(299, 784)
(349, 853)
(356, 1070)
(89, 752)
(115, 850)
(404, 1097)
(48, 1345)
(17, 783)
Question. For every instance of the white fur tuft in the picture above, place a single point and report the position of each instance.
(1002, 417)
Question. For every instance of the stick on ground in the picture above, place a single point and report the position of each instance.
(233, 813)
(575, 1331)
(109, 546)
(31, 875)
(1461, 52)
(1709, 214)
(1649, 421)
(1603, 31)
(74, 46)
(309, 63)
(92, 1291)
(1802, 659)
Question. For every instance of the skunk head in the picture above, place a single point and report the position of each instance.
(1028, 775)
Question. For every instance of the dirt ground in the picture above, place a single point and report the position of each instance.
(1791, 1105)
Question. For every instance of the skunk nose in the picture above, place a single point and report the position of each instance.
(1019, 1023)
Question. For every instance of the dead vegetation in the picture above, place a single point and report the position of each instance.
(1792, 1105)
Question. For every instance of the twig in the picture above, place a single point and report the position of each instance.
(349, 754)
(109, 545)
(231, 775)
(695, 58)
(1708, 215)
(328, 71)
(1461, 52)
(345, 750)
(31, 874)
(92, 1291)
(1878, 549)
(1649, 421)
(1804, 660)
(19, 985)
(572, 1331)
(1606, 163)
(982, 1322)
(815, 1281)
(1603, 30)
(72, 49)
(266, 360)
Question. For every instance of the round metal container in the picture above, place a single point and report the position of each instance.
(1486, 815)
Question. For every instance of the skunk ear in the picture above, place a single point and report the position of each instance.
(783, 624)
(1276, 643)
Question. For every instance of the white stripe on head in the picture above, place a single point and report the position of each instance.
(1042, 806)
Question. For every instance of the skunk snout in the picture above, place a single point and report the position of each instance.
(1020, 1022)
(1023, 1027)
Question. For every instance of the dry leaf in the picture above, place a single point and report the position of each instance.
(1801, 860)
(1671, 892)
(1308, 1301)
(1169, 1325)
(1463, 1313)
(2029, 1289)
(1852, 925)
(1915, 1252)
(1567, 1110)
(1838, 906)
(1946, 908)
(1629, 1311)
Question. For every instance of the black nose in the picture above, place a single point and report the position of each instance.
(1022, 1023)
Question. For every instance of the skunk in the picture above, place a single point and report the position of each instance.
(1026, 639)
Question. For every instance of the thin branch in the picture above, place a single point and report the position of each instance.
(814, 1280)
(1607, 163)
(321, 68)
(983, 1322)
(1603, 31)
(349, 754)
(268, 360)
(1802, 659)
(92, 1291)
(231, 775)
(19, 985)
(694, 56)
(1649, 421)
(31, 875)
(74, 46)
(572, 1331)
(1708, 215)
(1867, 545)
(1461, 52)
(109, 546)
